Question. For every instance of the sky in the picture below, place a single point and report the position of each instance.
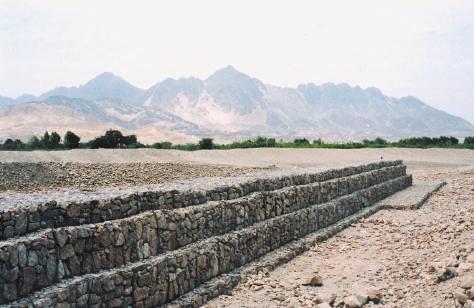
(404, 47)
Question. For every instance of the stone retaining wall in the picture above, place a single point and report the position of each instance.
(53, 255)
(163, 278)
(151, 247)
(22, 220)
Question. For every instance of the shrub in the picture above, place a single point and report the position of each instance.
(317, 141)
(162, 145)
(301, 141)
(187, 147)
(416, 141)
(259, 142)
(206, 144)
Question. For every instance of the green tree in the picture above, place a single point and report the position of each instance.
(130, 140)
(469, 140)
(8, 144)
(71, 140)
(34, 143)
(113, 139)
(45, 140)
(54, 140)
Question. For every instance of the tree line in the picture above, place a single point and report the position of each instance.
(114, 139)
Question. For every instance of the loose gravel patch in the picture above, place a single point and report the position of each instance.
(30, 177)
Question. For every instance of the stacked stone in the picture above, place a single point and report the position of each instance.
(17, 221)
(166, 253)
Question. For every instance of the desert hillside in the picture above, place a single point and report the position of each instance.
(228, 105)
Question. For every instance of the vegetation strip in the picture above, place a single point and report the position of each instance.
(113, 139)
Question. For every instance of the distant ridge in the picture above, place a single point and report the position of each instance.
(105, 85)
(227, 105)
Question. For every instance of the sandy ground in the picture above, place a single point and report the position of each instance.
(263, 157)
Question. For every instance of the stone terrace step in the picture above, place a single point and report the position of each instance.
(160, 279)
(56, 254)
(22, 219)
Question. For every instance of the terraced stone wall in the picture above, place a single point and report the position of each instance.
(23, 220)
(152, 258)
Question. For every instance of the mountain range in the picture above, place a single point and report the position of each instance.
(228, 105)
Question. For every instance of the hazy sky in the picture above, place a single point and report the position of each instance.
(420, 48)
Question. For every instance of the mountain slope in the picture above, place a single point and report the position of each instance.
(230, 105)
(5, 101)
(105, 85)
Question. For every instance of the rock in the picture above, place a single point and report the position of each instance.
(32, 258)
(470, 258)
(450, 262)
(51, 268)
(465, 267)
(323, 305)
(470, 293)
(140, 293)
(66, 252)
(466, 282)
(469, 304)
(29, 278)
(362, 297)
(292, 302)
(9, 232)
(279, 298)
(22, 255)
(61, 237)
(460, 295)
(61, 270)
(328, 297)
(314, 280)
(374, 294)
(21, 223)
(256, 288)
(119, 239)
(355, 301)
(446, 273)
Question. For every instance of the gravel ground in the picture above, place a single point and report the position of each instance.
(30, 177)
(252, 157)
(398, 253)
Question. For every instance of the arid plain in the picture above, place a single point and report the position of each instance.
(398, 254)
